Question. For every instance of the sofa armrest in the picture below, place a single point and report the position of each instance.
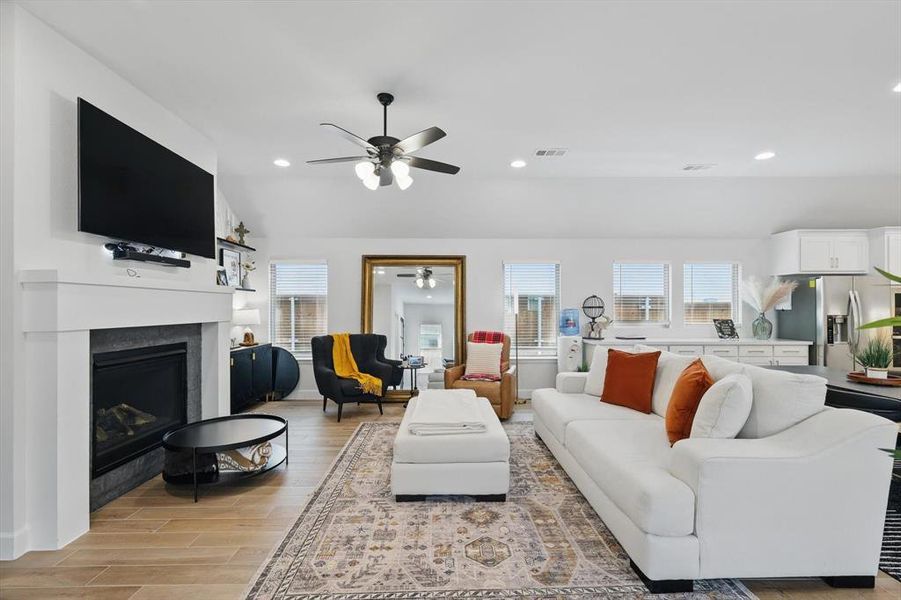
(571, 383)
(808, 501)
(453, 374)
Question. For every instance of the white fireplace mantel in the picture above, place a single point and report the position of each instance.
(59, 310)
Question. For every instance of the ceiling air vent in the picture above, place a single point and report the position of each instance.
(549, 152)
(698, 167)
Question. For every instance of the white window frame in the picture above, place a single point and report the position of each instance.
(736, 293)
(533, 351)
(617, 322)
(301, 356)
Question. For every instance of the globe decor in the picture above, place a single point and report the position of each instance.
(594, 307)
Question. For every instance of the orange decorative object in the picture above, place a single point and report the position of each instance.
(629, 380)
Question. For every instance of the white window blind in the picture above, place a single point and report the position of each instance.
(537, 287)
(298, 305)
(641, 293)
(710, 291)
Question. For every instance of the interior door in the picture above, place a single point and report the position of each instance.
(816, 254)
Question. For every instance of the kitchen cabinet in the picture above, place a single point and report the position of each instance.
(747, 351)
(821, 251)
(885, 248)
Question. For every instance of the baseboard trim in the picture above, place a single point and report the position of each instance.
(14, 544)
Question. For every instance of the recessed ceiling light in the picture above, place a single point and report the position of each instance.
(429, 297)
(897, 88)
(281, 162)
(765, 155)
(518, 164)
(381, 271)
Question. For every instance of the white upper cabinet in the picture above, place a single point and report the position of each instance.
(885, 249)
(821, 251)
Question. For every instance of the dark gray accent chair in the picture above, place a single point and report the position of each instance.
(364, 347)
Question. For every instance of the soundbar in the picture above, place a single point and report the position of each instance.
(125, 254)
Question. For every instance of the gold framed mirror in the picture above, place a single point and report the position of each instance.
(412, 300)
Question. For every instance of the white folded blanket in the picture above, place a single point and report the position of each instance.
(446, 412)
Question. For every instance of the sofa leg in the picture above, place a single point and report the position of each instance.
(409, 498)
(852, 581)
(340, 406)
(663, 586)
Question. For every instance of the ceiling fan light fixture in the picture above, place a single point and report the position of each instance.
(420, 282)
(400, 168)
(364, 169)
(432, 283)
(403, 181)
(371, 181)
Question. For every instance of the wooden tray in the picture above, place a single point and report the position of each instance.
(859, 377)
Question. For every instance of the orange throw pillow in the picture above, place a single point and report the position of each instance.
(683, 403)
(629, 380)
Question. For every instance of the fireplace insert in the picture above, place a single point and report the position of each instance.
(137, 395)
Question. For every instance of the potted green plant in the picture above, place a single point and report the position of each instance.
(876, 357)
(889, 321)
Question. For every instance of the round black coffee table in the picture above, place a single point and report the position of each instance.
(191, 449)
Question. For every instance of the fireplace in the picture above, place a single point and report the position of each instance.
(136, 396)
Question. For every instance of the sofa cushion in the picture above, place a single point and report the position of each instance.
(483, 361)
(629, 380)
(557, 410)
(780, 400)
(594, 385)
(724, 408)
(629, 461)
(669, 368)
(687, 393)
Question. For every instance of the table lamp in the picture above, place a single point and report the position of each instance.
(247, 316)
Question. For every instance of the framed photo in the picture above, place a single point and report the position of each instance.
(231, 263)
(221, 278)
(725, 329)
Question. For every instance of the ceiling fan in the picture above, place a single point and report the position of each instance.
(388, 158)
(424, 278)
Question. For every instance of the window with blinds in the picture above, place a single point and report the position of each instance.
(641, 293)
(535, 287)
(298, 305)
(711, 291)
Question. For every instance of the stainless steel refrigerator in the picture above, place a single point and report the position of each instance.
(827, 311)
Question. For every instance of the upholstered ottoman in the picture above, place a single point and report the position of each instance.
(469, 464)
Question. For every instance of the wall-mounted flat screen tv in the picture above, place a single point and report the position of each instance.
(133, 189)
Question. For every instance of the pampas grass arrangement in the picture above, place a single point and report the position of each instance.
(762, 294)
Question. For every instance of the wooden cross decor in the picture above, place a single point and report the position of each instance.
(241, 231)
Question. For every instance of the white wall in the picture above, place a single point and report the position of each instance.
(42, 76)
(585, 269)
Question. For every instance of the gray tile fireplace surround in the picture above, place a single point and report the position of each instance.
(113, 484)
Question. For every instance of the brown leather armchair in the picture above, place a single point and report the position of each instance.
(501, 394)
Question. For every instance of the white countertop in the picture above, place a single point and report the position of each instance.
(612, 341)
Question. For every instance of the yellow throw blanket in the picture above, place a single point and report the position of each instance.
(346, 366)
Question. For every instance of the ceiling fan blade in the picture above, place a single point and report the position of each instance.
(432, 165)
(325, 161)
(419, 140)
(351, 137)
(406, 274)
(386, 177)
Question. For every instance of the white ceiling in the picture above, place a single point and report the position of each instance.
(405, 288)
(632, 89)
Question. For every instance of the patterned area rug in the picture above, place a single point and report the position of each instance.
(352, 541)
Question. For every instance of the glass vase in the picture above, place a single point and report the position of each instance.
(762, 328)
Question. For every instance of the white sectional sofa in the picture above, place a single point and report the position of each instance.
(801, 492)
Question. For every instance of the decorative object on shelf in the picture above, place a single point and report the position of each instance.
(241, 231)
(594, 307)
(569, 321)
(725, 329)
(221, 277)
(231, 262)
(247, 317)
(876, 357)
(247, 267)
(762, 295)
(387, 158)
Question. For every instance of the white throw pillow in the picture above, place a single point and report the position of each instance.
(594, 383)
(781, 400)
(724, 408)
(483, 359)
(669, 367)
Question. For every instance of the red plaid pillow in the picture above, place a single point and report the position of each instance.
(488, 337)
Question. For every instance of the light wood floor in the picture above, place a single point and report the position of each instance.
(154, 543)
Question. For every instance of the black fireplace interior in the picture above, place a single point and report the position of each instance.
(136, 396)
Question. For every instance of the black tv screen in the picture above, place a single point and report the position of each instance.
(133, 189)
